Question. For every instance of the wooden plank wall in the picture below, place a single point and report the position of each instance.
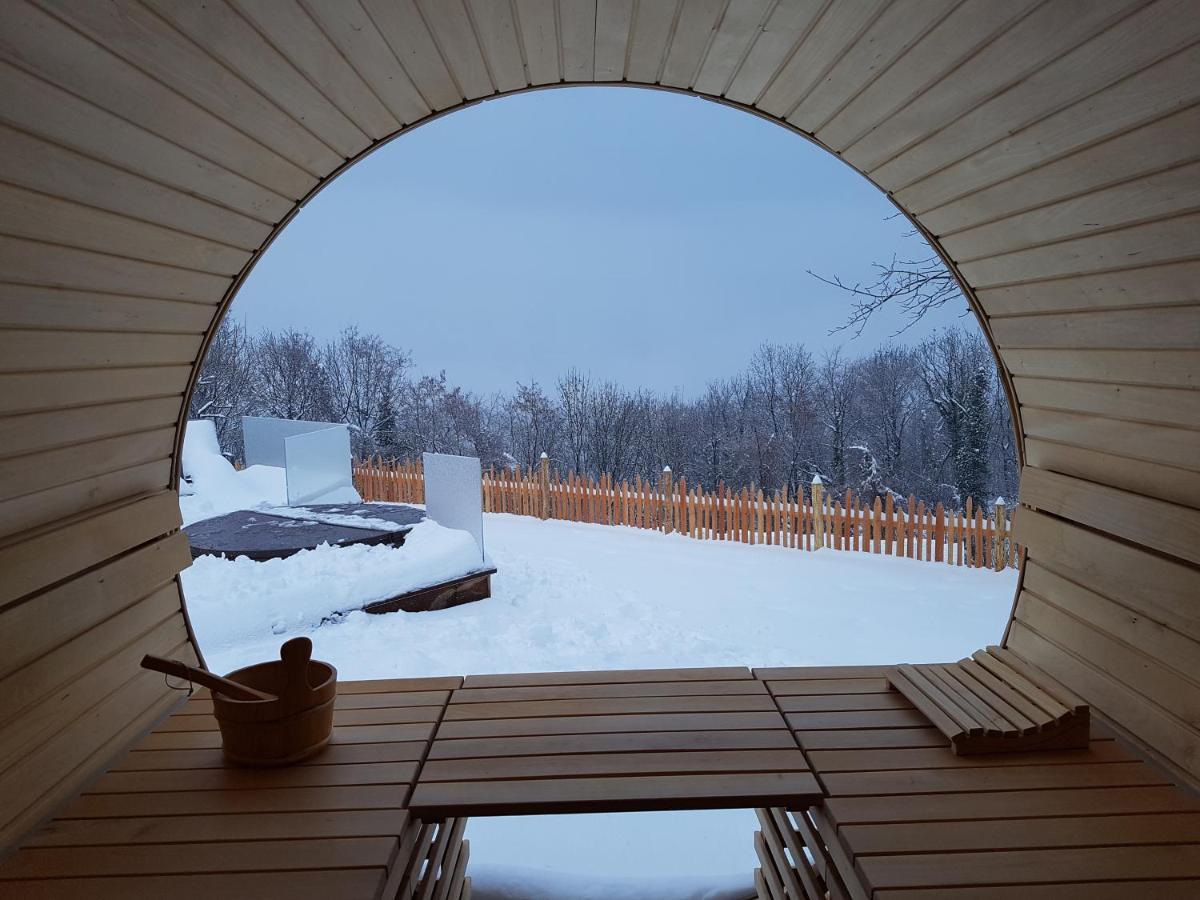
(149, 150)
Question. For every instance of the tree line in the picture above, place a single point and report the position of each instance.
(929, 419)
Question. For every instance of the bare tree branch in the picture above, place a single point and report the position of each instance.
(915, 286)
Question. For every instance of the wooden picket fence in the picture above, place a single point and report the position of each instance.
(813, 520)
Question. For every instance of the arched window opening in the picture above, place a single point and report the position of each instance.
(712, 430)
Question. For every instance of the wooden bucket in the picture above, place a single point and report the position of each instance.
(292, 727)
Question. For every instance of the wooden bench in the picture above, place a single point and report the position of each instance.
(992, 702)
(904, 816)
(858, 795)
(172, 819)
(571, 742)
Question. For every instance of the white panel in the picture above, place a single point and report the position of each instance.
(318, 467)
(264, 438)
(454, 493)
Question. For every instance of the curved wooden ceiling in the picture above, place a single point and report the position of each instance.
(149, 150)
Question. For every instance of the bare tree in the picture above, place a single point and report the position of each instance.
(886, 385)
(363, 373)
(225, 390)
(715, 446)
(614, 420)
(931, 420)
(574, 389)
(534, 425)
(291, 382)
(955, 368)
(839, 394)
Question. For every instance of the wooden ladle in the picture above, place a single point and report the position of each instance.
(212, 680)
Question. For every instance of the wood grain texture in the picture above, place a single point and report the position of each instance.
(150, 151)
(608, 750)
(1166, 527)
(915, 817)
(340, 812)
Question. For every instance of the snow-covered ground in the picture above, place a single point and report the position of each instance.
(575, 596)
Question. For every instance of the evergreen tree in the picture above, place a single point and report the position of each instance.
(385, 428)
(971, 463)
(870, 479)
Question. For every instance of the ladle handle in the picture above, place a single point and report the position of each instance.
(208, 679)
(295, 655)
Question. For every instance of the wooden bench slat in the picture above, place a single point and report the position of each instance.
(806, 673)
(350, 884)
(365, 716)
(761, 889)
(350, 734)
(973, 805)
(171, 859)
(596, 764)
(995, 725)
(856, 719)
(230, 779)
(937, 758)
(820, 702)
(827, 686)
(611, 691)
(381, 700)
(450, 886)
(1056, 690)
(770, 846)
(449, 834)
(942, 718)
(220, 827)
(619, 794)
(968, 724)
(826, 873)
(421, 841)
(469, 748)
(614, 676)
(1095, 890)
(849, 739)
(998, 667)
(1065, 866)
(592, 724)
(1015, 708)
(177, 803)
(336, 754)
(1025, 834)
(1019, 701)
(768, 870)
(616, 706)
(993, 778)
(401, 685)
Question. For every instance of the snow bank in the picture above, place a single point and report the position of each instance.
(239, 600)
(499, 882)
(213, 487)
(336, 516)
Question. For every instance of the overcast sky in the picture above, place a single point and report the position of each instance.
(646, 237)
